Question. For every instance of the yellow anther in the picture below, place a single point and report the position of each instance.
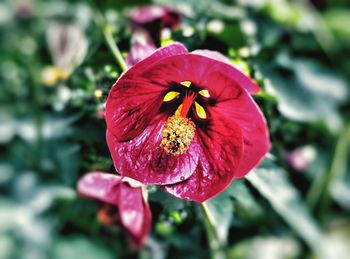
(200, 111)
(204, 93)
(170, 96)
(186, 83)
(178, 110)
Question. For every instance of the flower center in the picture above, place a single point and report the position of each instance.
(179, 131)
(177, 135)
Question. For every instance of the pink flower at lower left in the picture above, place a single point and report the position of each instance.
(124, 204)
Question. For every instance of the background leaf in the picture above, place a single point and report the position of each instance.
(272, 182)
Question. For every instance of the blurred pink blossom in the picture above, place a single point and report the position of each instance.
(301, 158)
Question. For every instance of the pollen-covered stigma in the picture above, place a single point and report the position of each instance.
(179, 130)
(177, 135)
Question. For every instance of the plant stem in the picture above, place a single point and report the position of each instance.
(320, 189)
(102, 23)
(37, 95)
(316, 188)
(321, 32)
(107, 33)
(213, 240)
(337, 168)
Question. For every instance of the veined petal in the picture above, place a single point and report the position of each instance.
(221, 149)
(135, 99)
(130, 107)
(230, 99)
(144, 160)
(234, 73)
(243, 110)
(101, 186)
(196, 69)
(234, 104)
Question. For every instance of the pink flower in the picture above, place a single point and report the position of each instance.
(166, 16)
(153, 18)
(185, 121)
(101, 113)
(301, 158)
(68, 45)
(141, 47)
(124, 202)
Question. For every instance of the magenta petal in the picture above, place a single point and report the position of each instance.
(135, 214)
(130, 107)
(196, 68)
(234, 73)
(213, 55)
(221, 149)
(100, 186)
(231, 102)
(237, 105)
(145, 161)
(246, 113)
(131, 208)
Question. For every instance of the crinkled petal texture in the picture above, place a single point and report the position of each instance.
(134, 212)
(144, 160)
(220, 152)
(228, 143)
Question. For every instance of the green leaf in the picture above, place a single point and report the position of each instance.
(272, 182)
(7, 172)
(340, 192)
(284, 12)
(260, 247)
(220, 212)
(306, 91)
(220, 209)
(245, 205)
(68, 161)
(7, 246)
(54, 127)
(80, 247)
(8, 210)
(231, 35)
(336, 18)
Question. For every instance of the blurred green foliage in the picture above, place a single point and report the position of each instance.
(51, 131)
